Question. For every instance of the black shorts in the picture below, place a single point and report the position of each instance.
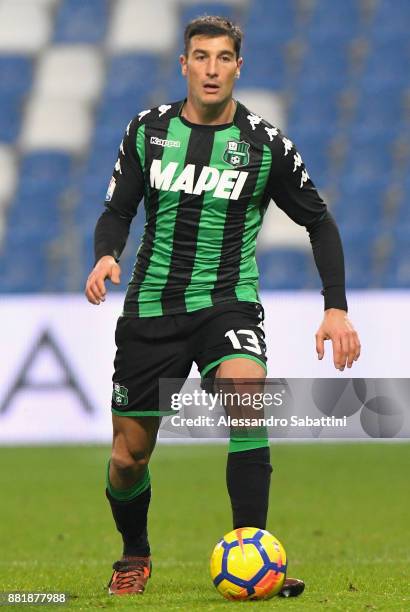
(151, 348)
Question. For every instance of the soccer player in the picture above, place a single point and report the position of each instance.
(207, 168)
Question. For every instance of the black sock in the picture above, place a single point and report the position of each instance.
(131, 520)
(248, 481)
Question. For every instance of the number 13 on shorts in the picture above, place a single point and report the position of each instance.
(242, 336)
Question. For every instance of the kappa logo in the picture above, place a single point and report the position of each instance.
(142, 114)
(288, 144)
(254, 120)
(226, 185)
(164, 108)
(271, 132)
(120, 395)
(161, 142)
(236, 153)
(117, 166)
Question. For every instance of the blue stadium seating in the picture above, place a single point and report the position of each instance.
(278, 19)
(359, 259)
(335, 21)
(284, 268)
(360, 203)
(81, 22)
(391, 20)
(137, 81)
(188, 13)
(397, 271)
(264, 66)
(15, 81)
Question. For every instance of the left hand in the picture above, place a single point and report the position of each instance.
(345, 340)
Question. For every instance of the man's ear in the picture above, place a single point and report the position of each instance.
(183, 62)
(239, 64)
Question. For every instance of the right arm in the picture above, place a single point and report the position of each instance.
(124, 193)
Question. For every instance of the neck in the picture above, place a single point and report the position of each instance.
(215, 114)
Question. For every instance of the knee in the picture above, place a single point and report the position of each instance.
(128, 458)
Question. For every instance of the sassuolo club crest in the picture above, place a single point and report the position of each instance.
(236, 153)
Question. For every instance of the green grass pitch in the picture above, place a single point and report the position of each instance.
(342, 512)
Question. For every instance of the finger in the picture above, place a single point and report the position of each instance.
(92, 294)
(337, 353)
(352, 350)
(115, 274)
(320, 345)
(99, 282)
(357, 346)
(345, 349)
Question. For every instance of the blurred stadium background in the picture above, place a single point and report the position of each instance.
(335, 76)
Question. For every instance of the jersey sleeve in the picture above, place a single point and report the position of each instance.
(124, 193)
(290, 186)
(126, 187)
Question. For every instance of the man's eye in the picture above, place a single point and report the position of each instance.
(200, 57)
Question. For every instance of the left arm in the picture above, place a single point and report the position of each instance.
(293, 191)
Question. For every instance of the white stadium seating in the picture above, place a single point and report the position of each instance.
(73, 72)
(152, 27)
(56, 123)
(25, 27)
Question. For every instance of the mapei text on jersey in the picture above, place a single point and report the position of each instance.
(227, 184)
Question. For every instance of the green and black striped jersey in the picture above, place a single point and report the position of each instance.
(206, 189)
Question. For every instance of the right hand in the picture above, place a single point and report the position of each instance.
(106, 267)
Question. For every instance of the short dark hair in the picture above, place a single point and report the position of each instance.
(213, 26)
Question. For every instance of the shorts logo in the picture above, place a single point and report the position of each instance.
(236, 153)
(120, 395)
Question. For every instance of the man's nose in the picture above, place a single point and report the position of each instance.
(211, 69)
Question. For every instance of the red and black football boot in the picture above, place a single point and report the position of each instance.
(130, 576)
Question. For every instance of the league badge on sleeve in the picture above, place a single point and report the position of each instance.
(110, 189)
(236, 153)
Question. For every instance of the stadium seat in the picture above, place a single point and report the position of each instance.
(278, 17)
(58, 124)
(225, 9)
(369, 154)
(25, 27)
(391, 21)
(358, 253)
(313, 141)
(264, 67)
(81, 22)
(132, 80)
(380, 105)
(397, 271)
(334, 21)
(283, 269)
(44, 173)
(263, 102)
(10, 121)
(360, 202)
(72, 72)
(325, 66)
(8, 173)
(15, 83)
(152, 27)
(16, 74)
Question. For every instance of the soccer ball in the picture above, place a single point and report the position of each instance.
(248, 563)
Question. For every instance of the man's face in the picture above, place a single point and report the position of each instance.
(210, 68)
